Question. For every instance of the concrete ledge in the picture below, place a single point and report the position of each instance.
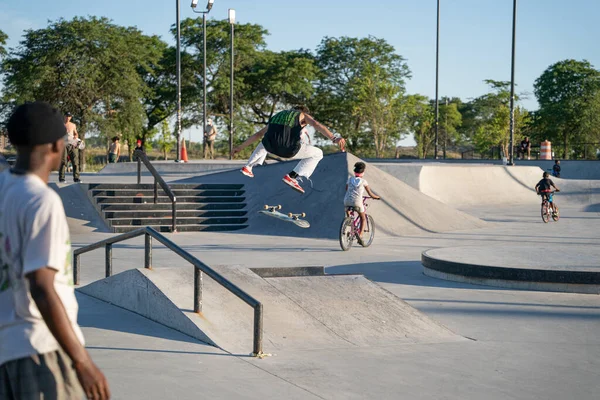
(521, 285)
(288, 272)
(499, 266)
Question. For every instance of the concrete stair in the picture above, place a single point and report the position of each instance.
(200, 207)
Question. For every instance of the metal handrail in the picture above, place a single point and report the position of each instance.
(199, 268)
(158, 180)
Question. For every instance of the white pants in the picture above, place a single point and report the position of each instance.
(308, 155)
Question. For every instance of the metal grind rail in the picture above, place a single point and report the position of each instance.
(199, 268)
(158, 180)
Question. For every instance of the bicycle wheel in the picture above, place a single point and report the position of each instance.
(346, 234)
(556, 214)
(545, 214)
(369, 232)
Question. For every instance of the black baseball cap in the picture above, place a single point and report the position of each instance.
(35, 123)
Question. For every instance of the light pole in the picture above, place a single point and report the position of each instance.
(437, 78)
(209, 6)
(232, 23)
(178, 67)
(511, 149)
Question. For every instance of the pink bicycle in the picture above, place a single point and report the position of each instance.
(351, 227)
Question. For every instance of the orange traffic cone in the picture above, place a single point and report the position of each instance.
(184, 156)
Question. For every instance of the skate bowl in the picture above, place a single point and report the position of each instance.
(467, 185)
(309, 311)
(403, 210)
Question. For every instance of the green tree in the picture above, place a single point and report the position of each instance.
(249, 41)
(567, 93)
(491, 123)
(450, 120)
(277, 80)
(422, 123)
(3, 39)
(87, 66)
(166, 140)
(359, 90)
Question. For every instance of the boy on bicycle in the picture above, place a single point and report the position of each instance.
(544, 187)
(355, 188)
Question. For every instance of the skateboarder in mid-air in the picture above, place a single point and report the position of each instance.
(283, 137)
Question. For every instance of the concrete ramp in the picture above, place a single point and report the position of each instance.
(404, 211)
(305, 312)
(490, 185)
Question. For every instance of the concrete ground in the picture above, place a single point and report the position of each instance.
(519, 344)
(523, 344)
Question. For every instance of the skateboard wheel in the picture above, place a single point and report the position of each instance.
(303, 215)
(266, 207)
(279, 207)
(290, 215)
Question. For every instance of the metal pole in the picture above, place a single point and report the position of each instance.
(437, 78)
(231, 98)
(148, 252)
(76, 268)
(139, 170)
(258, 329)
(178, 84)
(204, 117)
(512, 87)
(108, 259)
(197, 290)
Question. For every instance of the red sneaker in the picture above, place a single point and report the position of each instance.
(293, 183)
(248, 172)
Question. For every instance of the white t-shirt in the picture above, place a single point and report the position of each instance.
(356, 190)
(33, 234)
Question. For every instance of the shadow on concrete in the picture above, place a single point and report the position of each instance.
(592, 208)
(400, 272)
(94, 313)
(202, 353)
(491, 309)
(503, 303)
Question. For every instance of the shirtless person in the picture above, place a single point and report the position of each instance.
(283, 138)
(71, 150)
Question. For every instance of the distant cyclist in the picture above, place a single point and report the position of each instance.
(556, 169)
(544, 187)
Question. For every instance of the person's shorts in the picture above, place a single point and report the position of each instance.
(112, 158)
(41, 376)
(358, 206)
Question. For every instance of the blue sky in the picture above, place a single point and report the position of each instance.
(475, 34)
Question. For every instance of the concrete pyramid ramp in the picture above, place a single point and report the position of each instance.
(308, 312)
(404, 211)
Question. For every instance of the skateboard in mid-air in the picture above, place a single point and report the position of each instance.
(294, 218)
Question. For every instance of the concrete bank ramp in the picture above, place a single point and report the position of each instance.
(302, 312)
(484, 185)
(404, 210)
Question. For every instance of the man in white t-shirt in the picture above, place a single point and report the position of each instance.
(355, 190)
(41, 345)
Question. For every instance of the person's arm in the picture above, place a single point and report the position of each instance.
(322, 129)
(257, 136)
(75, 133)
(370, 193)
(118, 151)
(41, 286)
